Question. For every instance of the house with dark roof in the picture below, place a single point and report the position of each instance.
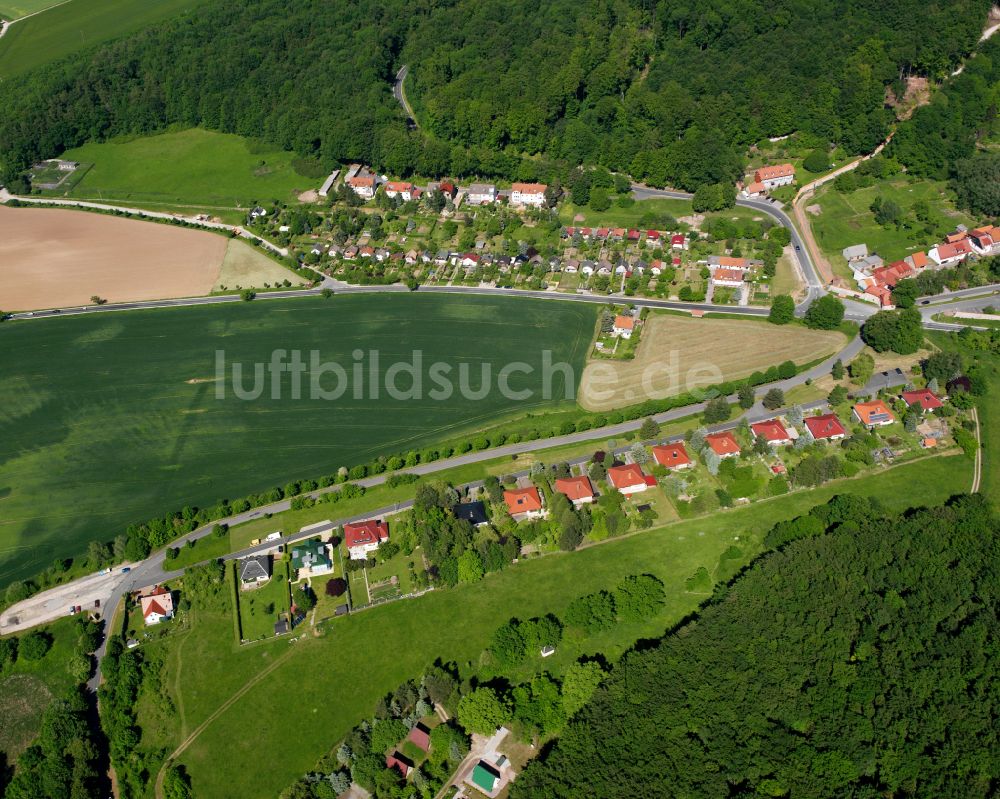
(311, 558)
(255, 570)
(884, 381)
(474, 512)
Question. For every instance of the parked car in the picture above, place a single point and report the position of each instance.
(126, 569)
(97, 603)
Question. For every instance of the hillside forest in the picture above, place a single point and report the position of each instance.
(671, 92)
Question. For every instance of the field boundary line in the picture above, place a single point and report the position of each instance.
(977, 471)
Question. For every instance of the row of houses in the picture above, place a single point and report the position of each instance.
(678, 241)
(877, 280)
(365, 183)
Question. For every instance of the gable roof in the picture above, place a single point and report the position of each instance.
(626, 476)
(776, 171)
(672, 455)
(624, 322)
(529, 188)
(723, 443)
(873, 412)
(399, 762)
(420, 736)
(474, 512)
(728, 274)
(485, 776)
(522, 500)
(928, 399)
(357, 534)
(575, 488)
(771, 430)
(826, 426)
(160, 603)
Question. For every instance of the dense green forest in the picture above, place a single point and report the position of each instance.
(860, 660)
(668, 91)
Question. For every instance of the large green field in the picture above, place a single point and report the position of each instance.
(846, 219)
(73, 26)
(194, 167)
(314, 696)
(15, 9)
(113, 418)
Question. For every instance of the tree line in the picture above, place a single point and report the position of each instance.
(857, 660)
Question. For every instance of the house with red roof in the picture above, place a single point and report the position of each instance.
(157, 606)
(633, 234)
(420, 737)
(602, 233)
(399, 762)
(949, 253)
(774, 176)
(360, 538)
(754, 189)
(652, 235)
(672, 456)
(924, 397)
(399, 188)
(985, 240)
(873, 414)
(723, 444)
(524, 503)
(630, 478)
(363, 185)
(578, 490)
(772, 431)
(528, 194)
(624, 325)
(678, 241)
(826, 427)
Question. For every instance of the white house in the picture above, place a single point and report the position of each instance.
(481, 193)
(399, 188)
(754, 190)
(629, 479)
(624, 325)
(855, 252)
(773, 176)
(157, 606)
(950, 254)
(363, 186)
(528, 194)
(362, 538)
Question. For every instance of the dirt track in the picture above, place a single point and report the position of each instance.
(51, 258)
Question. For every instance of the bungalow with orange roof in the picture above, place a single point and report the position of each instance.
(624, 325)
(754, 189)
(672, 456)
(723, 444)
(528, 194)
(873, 414)
(578, 490)
(399, 188)
(773, 176)
(924, 397)
(524, 503)
(630, 478)
(773, 432)
(918, 260)
(826, 427)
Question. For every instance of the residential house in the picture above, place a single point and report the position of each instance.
(399, 762)
(363, 185)
(950, 254)
(873, 414)
(722, 276)
(587, 268)
(578, 490)
(624, 325)
(630, 478)
(855, 252)
(884, 381)
(773, 432)
(420, 737)
(485, 777)
(602, 233)
(157, 606)
(525, 503)
(361, 538)
(351, 252)
(653, 236)
(472, 512)
(633, 234)
(754, 190)
(367, 251)
(481, 194)
(571, 266)
(311, 558)
(774, 176)
(826, 427)
(723, 444)
(399, 188)
(918, 260)
(672, 456)
(656, 268)
(678, 241)
(528, 194)
(618, 234)
(985, 240)
(924, 397)
(255, 570)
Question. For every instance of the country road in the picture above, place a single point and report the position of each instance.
(399, 92)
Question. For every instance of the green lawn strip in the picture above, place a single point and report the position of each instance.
(623, 217)
(105, 458)
(395, 642)
(207, 548)
(70, 27)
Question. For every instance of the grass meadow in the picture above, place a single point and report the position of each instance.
(394, 642)
(195, 168)
(109, 419)
(15, 9)
(75, 25)
(846, 219)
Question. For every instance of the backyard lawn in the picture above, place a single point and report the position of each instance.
(846, 219)
(456, 624)
(260, 607)
(623, 217)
